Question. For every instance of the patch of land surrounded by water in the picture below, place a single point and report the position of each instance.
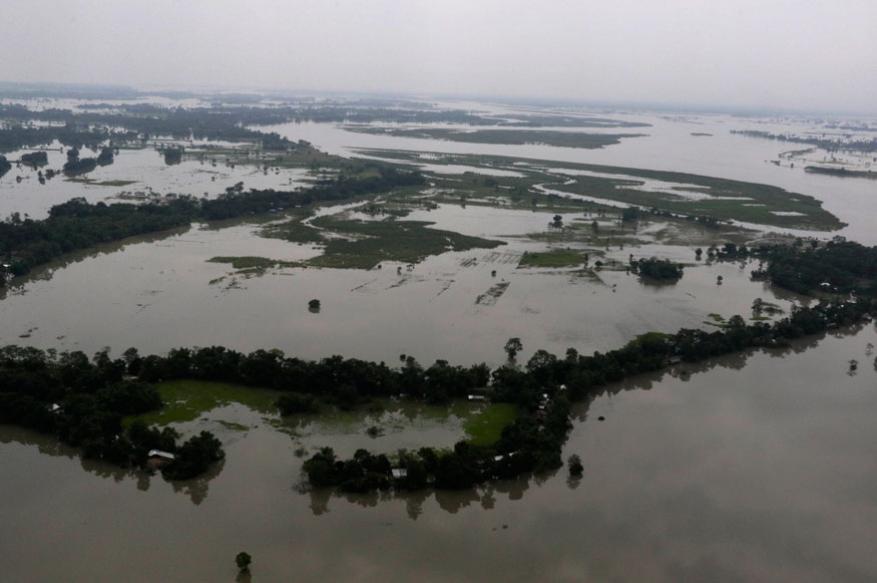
(681, 193)
(561, 139)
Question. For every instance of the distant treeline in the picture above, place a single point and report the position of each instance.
(842, 172)
(378, 179)
(71, 135)
(140, 122)
(825, 142)
(77, 224)
(232, 122)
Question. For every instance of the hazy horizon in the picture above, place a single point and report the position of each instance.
(781, 55)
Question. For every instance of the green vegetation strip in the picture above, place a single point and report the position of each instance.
(509, 137)
(250, 262)
(368, 243)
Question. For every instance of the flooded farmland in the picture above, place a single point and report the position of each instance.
(139, 296)
(756, 466)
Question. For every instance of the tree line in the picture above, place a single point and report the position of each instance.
(545, 389)
(71, 135)
(78, 224)
(810, 267)
(141, 122)
(84, 402)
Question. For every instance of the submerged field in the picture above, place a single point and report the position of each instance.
(672, 192)
(493, 246)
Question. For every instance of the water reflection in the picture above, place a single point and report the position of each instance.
(485, 496)
(196, 490)
(450, 501)
(757, 473)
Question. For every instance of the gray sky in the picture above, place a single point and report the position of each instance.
(798, 54)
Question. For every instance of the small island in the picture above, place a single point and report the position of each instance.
(662, 270)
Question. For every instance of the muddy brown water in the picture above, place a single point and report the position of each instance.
(157, 295)
(753, 467)
(756, 467)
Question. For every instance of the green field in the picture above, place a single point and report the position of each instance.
(187, 400)
(294, 231)
(368, 243)
(485, 427)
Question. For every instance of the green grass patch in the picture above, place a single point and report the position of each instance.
(293, 231)
(552, 258)
(485, 427)
(186, 400)
(368, 243)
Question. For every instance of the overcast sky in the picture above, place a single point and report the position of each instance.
(796, 54)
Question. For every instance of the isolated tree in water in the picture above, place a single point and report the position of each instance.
(576, 469)
(243, 561)
(513, 347)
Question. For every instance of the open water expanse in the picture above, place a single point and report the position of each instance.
(756, 467)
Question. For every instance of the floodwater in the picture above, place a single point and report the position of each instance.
(751, 468)
(145, 169)
(157, 294)
(669, 145)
